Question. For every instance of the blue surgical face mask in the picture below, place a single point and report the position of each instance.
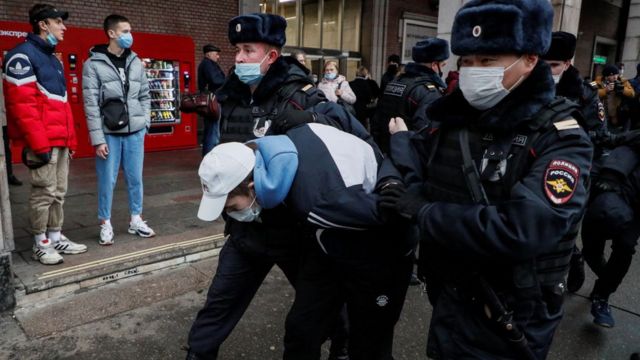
(125, 40)
(251, 213)
(249, 73)
(52, 40)
(330, 76)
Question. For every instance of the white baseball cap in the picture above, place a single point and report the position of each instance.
(221, 170)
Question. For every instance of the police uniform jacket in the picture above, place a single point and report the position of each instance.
(525, 217)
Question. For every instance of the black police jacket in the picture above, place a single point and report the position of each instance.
(529, 219)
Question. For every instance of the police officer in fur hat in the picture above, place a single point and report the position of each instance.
(496, 187)
(266, 94)
(409, 94)
(570, 84)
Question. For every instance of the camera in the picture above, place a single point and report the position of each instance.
(618, 87)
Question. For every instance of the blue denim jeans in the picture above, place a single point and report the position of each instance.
(128, 150)
(210, 135)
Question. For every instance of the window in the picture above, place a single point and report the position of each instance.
(351, 25)
(331, 24)
(414, 31)
(310, 24)
(288, 9)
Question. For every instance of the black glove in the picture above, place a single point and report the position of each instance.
(411, 202)
(390, 192)
(288, 118)
(608, 181)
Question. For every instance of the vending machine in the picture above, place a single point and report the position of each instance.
(168, 69)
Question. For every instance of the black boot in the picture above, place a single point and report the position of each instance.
(576, 276)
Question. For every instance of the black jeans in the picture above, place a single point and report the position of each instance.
(238, 277)
(609, 218)
(373, 284)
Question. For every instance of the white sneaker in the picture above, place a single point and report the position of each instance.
(44, 252)
(66, 246)
(106, 234)
(141, 229)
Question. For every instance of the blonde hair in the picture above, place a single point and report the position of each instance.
(330, 62)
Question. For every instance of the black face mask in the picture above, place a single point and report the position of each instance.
(439, 70)
(392, 68)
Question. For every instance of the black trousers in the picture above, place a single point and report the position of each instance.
(238, 277)
(373, 284)
(609, 217)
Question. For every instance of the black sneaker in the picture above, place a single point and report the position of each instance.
(13, 180)
(576, 276)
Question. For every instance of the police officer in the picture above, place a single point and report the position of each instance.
(503, 183)
(570, 84)
(613, 214)
(266, 93)
(411, 92)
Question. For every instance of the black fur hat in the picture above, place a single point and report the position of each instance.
(264, 28)
(563, 46)
(430, 49)
(502, 27)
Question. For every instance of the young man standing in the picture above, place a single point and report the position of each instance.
(116, 102)
(39, 116)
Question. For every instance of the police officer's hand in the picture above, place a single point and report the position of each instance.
(390, 192)
(44, 157)
(397, 124)
(608, 181)
(289, 118)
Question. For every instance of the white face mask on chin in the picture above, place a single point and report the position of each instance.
(482, 86)
(249, 214)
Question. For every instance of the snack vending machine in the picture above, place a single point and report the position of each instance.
(165, 67)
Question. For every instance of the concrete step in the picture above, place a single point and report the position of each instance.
(35, 287)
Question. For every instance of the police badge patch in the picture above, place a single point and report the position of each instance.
(560, 181)
(600, 111)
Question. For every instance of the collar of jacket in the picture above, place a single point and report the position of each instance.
(99, 52)
(416, 70)
(285, 69)
(40, 44)
(515, 111)
(570, 85)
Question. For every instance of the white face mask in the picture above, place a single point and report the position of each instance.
(556, 78)
(482, 86)
(249, 214)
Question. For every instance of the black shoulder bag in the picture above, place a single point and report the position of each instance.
(115, 113)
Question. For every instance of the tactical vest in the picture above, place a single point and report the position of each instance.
(497, 171)
(241, 122)
(394, 103)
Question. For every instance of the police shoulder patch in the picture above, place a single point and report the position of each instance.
(601, 113)
(593, 84)
(560, 181)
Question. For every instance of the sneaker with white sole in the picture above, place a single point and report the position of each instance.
(66, 246)
(44, 252)
(141, 229)
(106, 234)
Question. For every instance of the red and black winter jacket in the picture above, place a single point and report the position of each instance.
(38, 113)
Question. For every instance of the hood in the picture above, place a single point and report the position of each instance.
(102, 49)
(570, 85)
(275, 169)
(285, 69)
(514, 111)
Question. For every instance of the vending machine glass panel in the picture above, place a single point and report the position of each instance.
(164, 88)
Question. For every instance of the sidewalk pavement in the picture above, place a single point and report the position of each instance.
(172, 194)
(149, 317)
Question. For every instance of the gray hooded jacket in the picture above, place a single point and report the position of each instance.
(101, 81)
